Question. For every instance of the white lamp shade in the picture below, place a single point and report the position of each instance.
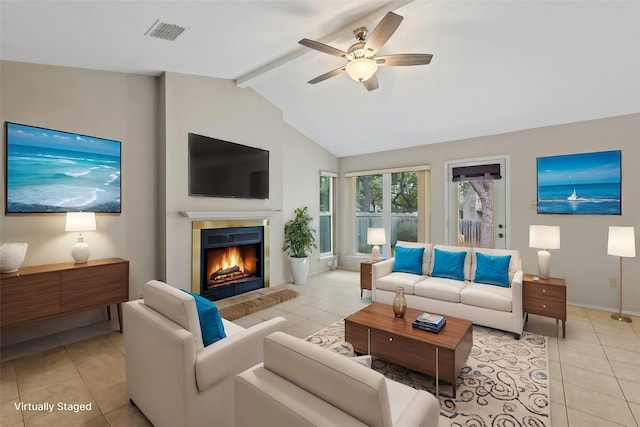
(544, 236)
(376, 236)
(360, 69)
(622, 241)
(80, 221)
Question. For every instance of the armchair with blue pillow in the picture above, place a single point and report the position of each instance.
(182, 357)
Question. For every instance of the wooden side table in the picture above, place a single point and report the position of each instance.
(365, 275)
(545, 297)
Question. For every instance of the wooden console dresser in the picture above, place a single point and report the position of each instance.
(43, 292)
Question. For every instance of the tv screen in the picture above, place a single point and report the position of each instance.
(225, 169)
(54, 171)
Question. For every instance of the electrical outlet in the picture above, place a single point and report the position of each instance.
(613, 282)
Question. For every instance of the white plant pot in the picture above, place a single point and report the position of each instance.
(299, 269)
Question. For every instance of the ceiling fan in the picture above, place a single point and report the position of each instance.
(362, 61)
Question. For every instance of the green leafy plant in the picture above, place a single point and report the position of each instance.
(298, 235)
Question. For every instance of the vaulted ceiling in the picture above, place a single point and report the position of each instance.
(498, 66)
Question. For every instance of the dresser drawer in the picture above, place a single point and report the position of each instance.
(545, 307)
(548, 292)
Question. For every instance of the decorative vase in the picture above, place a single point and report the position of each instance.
(12, 256)
(299, 269)
(399, 302)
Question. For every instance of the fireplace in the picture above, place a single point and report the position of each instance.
(230, 258)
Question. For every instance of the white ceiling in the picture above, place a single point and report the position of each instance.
(498, 66)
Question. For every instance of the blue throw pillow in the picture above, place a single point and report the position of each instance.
(492, 270)
(408, 260)
(449, 265)
(210, 320)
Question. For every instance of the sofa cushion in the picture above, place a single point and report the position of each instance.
(448, 264)
(467, 259)
(391, 281)
(492, 269)
(408, 260)
(440, 288)
(426, 256)
(210, 321)
(514, 264)
(487, 296)
(175, 305)
(349, 386)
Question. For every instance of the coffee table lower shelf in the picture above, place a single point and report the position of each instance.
(375, 331)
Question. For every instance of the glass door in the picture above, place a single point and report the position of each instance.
(476, 209)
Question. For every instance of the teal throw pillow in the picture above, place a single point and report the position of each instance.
(492, 270)
(210, 320)
(449, 265)
(408, 260)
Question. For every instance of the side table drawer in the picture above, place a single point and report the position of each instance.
(548, 292)
(545, 307)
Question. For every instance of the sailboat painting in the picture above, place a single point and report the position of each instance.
(584, 183)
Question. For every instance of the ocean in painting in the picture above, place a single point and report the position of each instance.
(595, 199)
(44, 179)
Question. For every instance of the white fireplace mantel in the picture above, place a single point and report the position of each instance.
(213, 215)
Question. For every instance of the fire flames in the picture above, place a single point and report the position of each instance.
(225, 265)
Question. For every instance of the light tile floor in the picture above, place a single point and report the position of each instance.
(595, 371)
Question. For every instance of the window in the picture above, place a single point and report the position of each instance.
(393, 200)
(326, 217)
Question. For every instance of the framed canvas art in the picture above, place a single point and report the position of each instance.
(54, 171)
(584, 183)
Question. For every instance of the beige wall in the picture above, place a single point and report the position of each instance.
(582, 259)
(217, 108)
(110, 105)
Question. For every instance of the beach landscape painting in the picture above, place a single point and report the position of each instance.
(585, 183)
(54, 171)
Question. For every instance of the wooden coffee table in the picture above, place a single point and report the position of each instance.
(376, 331)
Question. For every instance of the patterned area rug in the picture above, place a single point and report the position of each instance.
(504, 383)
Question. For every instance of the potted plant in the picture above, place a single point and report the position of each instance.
(299, 240)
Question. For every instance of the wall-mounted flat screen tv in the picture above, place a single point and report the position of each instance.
(220, 168)
(54, 171)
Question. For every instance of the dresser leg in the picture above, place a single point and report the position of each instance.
(120, 315)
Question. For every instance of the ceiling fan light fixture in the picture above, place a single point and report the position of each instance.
(361, 69)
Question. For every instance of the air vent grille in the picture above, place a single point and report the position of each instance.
(164, 31)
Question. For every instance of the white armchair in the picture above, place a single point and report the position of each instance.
(171, 377)
(303, 385)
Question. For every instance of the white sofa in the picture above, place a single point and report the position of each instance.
(171, 376)
(301, 384)
(484, 304)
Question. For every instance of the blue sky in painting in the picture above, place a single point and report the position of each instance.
(48, 138)
(574, 169)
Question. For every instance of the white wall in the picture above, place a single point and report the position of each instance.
(582, 259)
(109, 105)
(217, 108)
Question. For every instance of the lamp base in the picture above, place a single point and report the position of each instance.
(544, 261)
(616, 316)
(375, 253)
(80, 252)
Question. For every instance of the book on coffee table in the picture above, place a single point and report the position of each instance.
(429, 322)
(426, 327)
(430, 319)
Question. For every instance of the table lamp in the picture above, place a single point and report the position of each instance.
(622, 243)
(544, 237)
(375, 236)
(80, 221)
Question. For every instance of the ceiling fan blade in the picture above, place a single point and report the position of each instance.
(404, 59)
(324, 48)
(371, 83)
(325, 76)
(383, 31)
